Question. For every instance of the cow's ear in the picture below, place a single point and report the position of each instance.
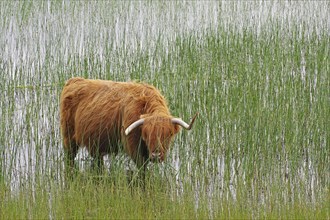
(176, 128)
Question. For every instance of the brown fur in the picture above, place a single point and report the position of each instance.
(94, 113)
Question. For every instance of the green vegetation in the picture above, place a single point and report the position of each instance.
(259, 147)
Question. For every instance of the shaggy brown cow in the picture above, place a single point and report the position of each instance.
(102, 114)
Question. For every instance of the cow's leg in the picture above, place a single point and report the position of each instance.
(143, 174)
(98, 164)
(139, 178)
(141, 162)
(139, 154)
(69, 144)
(95, 151)
(70, 152)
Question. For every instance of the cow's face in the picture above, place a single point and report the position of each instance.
(157, 133)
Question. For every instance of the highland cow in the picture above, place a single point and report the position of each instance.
(105, 115)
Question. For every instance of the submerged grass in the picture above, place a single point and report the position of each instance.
(259, 148)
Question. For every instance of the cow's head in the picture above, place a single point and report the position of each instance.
(157, 132)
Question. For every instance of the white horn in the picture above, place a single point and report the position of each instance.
(179, 121)
(134, 125)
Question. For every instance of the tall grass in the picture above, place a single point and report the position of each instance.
(258, 74)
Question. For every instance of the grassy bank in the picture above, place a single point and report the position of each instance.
(99, 200)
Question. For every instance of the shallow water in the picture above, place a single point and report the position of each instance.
(40, 37)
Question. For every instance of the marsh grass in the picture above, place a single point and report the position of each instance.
(260, 145)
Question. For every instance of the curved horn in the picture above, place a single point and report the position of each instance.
(179, 121)
(134, 125)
